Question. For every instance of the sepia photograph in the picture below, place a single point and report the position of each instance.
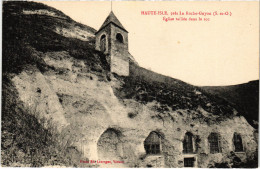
(130, 84)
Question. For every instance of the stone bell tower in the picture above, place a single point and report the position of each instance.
(112, 40)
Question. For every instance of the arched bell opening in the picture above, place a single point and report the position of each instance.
(119, 38)
(103, 46)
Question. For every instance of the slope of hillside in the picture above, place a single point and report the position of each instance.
(60, 98)
(29, 45)
(147, 86)
(30, 28)
(244, 97)
(27, 138)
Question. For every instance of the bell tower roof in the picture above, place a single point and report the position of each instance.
(111, 18)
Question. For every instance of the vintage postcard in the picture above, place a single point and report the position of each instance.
(130, 84)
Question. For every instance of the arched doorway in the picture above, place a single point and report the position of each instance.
(109, 145)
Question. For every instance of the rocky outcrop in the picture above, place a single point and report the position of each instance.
(85, 107)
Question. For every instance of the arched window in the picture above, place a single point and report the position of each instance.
(152, 143)
(119, 38)
(188, 143)
(237, 142)
(214, 142)
(103, 43)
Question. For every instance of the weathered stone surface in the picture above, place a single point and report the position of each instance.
(89, 112)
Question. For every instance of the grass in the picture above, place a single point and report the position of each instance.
(244, 97)
(20, 41)
(170, 93)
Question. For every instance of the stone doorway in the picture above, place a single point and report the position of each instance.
(110, 147)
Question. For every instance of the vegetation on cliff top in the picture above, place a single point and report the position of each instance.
(147, 86)
(26, 34)
(244, 97)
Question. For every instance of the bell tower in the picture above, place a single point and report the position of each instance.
(112, 40)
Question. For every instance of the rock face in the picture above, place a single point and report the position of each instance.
(100, 125)
(93, 110)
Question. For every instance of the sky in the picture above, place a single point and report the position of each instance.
(221, 51)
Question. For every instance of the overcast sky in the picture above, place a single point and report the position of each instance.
(222, 51)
